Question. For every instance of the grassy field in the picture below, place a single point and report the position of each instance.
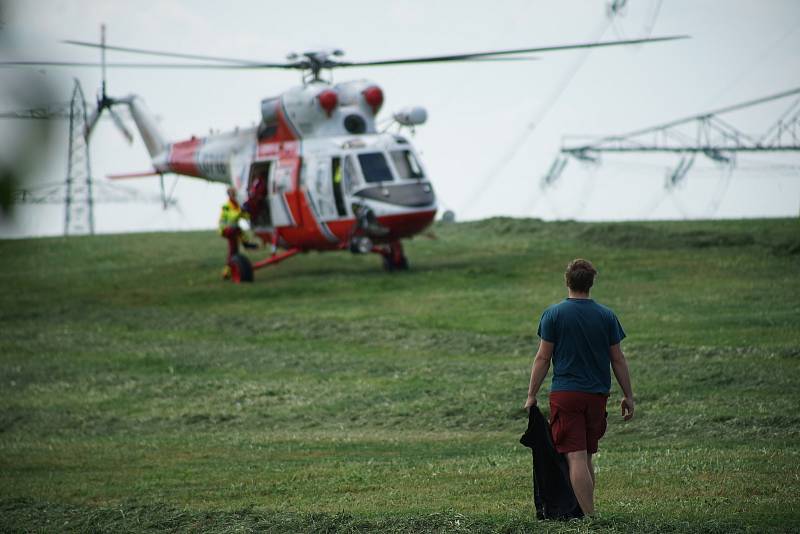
(139, 392)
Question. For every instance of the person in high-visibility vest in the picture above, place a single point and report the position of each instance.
(230, 230)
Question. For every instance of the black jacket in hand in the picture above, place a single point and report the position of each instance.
(552, 491)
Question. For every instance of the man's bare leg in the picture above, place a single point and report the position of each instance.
(582, 480)
(591, 469)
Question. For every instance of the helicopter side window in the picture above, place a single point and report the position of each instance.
(375, 167)
(407, 165)
(351, 177)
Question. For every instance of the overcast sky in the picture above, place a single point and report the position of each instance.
(493, 129)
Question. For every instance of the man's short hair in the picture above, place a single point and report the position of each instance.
(580, 275)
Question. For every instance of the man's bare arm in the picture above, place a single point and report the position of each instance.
(620, 366)
(541, 364)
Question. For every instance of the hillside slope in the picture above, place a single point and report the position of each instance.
(140, 392)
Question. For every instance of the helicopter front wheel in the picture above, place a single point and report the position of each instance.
(241, 269)
(394, 259)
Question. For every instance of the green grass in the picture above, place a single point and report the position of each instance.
(139, 392)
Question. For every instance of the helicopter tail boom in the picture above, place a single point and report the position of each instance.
(146, 125)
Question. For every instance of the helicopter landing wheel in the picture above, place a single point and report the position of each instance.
(390, 266)
(394, 259)
(241, 269)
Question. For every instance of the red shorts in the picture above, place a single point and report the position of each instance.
(577, 420)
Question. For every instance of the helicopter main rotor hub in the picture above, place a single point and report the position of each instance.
(313, 61)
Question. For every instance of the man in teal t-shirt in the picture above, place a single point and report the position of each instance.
(582, 338)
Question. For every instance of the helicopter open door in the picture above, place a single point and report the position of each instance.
(267, 183)
(322, 189)
(283, 176)
(331, 185)
(259, 204)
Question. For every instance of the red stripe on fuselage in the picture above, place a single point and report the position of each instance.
(183, 157)
(309, 237)
(405, 225)
(279, 150)
(282, 144)
(294, 208)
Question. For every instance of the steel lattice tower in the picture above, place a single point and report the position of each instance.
(79, 212)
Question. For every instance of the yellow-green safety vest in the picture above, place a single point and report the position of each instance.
(231, 213)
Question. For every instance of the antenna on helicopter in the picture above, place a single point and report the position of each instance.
(104, 102)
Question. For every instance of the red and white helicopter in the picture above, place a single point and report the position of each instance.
(315, 173)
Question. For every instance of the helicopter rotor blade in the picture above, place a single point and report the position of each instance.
(148, 65)
(92, 119)
(476, 55)
(120, 125)
(488, 59)
(238, 64)
(174, 54)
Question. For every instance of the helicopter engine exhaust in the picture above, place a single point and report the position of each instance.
(269, 116)
(269, 110)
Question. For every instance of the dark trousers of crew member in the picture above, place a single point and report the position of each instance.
(232, 234)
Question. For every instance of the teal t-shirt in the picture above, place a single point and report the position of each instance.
(582, 332)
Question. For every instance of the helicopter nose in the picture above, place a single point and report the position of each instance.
(407, 195)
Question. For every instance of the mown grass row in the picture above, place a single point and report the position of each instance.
(139, 392)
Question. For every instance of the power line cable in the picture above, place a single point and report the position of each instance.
(648, 29)
(722, 187)
(586, 192)
(677, 203)
(747, 71)
(541, 112)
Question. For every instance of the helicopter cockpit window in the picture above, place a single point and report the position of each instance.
(407, 165)
(375, 167)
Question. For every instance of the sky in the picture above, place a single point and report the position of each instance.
(493, 128)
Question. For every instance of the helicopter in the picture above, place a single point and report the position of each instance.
(315, 173)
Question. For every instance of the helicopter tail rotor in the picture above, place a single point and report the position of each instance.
(121, 125)
(104, 102)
